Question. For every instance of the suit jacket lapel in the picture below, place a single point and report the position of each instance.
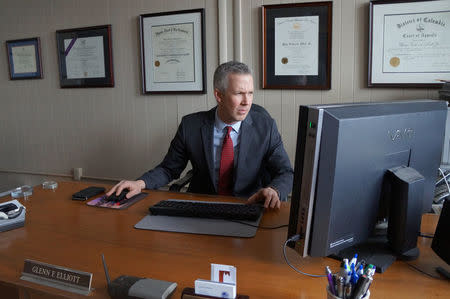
(244, 144)
(207, 135)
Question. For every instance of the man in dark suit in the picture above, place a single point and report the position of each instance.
(234, 148)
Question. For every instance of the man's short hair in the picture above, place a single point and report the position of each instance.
(223, 70)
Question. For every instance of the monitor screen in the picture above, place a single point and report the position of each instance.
(343, 154)
(441, 240)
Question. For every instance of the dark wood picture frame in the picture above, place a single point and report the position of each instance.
(397, 59)
(295, 70)
(178, 64)
(90, 63)
(24, 58)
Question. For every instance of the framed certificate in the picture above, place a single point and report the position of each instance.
(173, 52)
(409, 43)
(24, 58)
(85, 57)
(297, 45)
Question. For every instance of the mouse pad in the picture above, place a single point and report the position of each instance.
(102, 203)
(202, 226)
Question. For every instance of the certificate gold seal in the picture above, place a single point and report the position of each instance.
(157, 63)
(395, 61)
(296, 26)
(284, 60)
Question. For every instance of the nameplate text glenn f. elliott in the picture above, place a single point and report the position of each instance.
(57, 274)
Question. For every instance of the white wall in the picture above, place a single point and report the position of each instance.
(116, 133)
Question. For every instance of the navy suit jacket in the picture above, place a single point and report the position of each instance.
(262, 160)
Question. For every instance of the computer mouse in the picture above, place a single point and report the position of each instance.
(116, 198)
(3, 216)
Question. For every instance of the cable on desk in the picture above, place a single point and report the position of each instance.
(296, 238)
(263, 227)
(445, 179)
(426, 236)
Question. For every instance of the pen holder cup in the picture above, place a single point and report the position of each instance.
(331, 296)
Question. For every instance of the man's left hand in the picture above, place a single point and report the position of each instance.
(268, 195)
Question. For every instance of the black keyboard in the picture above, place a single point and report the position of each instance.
(229, 211)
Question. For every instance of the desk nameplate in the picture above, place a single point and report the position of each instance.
(56, 276)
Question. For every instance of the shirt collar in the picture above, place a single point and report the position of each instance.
(220, 125)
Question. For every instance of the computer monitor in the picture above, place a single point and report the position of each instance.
(347, 165)
(441, 240)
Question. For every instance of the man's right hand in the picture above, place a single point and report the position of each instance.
(267, 195)
(134, 187)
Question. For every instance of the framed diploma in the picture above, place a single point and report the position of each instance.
(24, 58)
(85, 57)
(297, 45)
(409, 43)
(173, 55)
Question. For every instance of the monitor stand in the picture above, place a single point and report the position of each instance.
(404, 186)
(375, 251)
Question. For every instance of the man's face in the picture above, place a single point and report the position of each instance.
(235, 103)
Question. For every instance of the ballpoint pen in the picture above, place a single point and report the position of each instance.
(348, 274)
(369, 266)
(360, 263)
(340, 287)
(354, 276)
(353, 260)
(330, 280)
(348, 291)
(342, 271)
(346, 263)
(361, 287)
(360, 270)
(370, 270)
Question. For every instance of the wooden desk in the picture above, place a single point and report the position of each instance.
(69, 233)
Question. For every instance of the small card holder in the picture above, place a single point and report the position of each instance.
(189, 293)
